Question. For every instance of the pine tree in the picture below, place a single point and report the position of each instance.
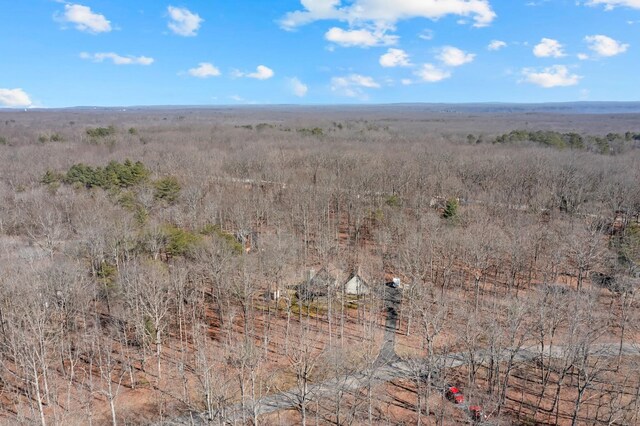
(450, 209)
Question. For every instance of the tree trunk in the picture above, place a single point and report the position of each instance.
(36, 383)
(158, 354)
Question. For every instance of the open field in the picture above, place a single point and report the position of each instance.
(186, 265)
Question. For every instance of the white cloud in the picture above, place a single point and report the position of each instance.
(548, 47)
(262, 73)
(298, 88)
(406, 82)
(611, 4)
(454, 57)
(314, 10)
(395, 58)
(554, 76)
(117, 59)
(386, 13)
(432, 74)
(353, 85)
(583, 56)
(14, 98)
(363, 81)
(605, 46)
(496, 45)
(84, 19)
(204, 70)
(360, 38)
(184, 22)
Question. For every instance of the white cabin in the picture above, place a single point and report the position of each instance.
(356, 286)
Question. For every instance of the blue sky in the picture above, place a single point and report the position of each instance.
(56, 53)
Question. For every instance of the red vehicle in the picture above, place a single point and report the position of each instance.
(454, 395)
(476, 413)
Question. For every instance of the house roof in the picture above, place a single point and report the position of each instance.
(317, 286)
(359, 276)
(322, 277)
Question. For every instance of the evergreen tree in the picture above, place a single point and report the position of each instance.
(450, 209)
(167, 189)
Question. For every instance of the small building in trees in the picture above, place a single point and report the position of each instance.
(356, 285)
(316, 285)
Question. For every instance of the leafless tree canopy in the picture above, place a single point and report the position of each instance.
(153, 262)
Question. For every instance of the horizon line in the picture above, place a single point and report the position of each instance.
(302, 105)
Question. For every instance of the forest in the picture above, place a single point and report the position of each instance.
(379, 265)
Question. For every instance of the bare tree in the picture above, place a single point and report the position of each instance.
(149, 286)
(246, 359)
(303, 360)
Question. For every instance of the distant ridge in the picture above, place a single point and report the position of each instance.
(595, 107)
